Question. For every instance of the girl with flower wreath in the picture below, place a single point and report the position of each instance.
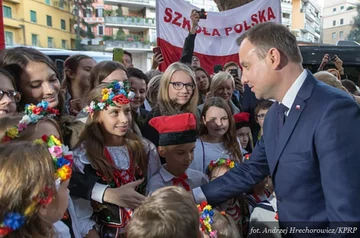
(37, 123)
(217, 136)
(113, 159)
(236, 208)
(34, 200)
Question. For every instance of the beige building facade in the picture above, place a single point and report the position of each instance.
(338, 19)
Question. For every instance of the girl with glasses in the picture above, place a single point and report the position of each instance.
(8, 94)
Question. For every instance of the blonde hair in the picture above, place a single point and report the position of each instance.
(94, 142)
(225, 225)
(218, 79)
(329, 79)
(168, 212)
(163, 98)
(153, 90)
(26, 169)
(335, 71)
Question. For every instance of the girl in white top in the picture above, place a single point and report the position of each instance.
(216, 136)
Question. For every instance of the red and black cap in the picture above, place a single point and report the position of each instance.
(242, 119)
(175, 130)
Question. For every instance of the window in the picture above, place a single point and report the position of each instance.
(99, 12)
(334, 22)
(48, 2)
(63, 24)
(342, 8)
(334, 35)
(334, 9)
(61, 4)
(341, 34)
(286, 15)
(63, 44)
(7, 11)
(32, 16)
(100, 30)
(9, 38)
(87, 12)
(34, 40)
(341, 21)
(50, 42)
(48, 20)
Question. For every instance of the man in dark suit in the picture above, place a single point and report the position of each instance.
(310, 148)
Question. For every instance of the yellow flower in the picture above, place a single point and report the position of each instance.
(55, 140)
(31, 208)
(31, 107)
(104, 91)
(105, 97)
(12, 132)
(64, 172)
(232, 164)
(38, 141)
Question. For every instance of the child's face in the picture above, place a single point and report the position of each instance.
(243, 134)
(260, 117)
(7, 103)
(181, 88)
(218, 172)
(82, 74)
(39, 82)
(179, 157)
(116, 120)
(56, 209)
(138, 86)
(216, 121)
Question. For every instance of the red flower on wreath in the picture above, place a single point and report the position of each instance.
(37, 110)
(121, 98)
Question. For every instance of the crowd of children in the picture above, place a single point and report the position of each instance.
(135, 156)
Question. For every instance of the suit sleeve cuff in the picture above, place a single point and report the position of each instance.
(198, 194)
(98, 192)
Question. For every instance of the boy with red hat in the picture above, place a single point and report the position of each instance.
(177, 137)
(243, 131)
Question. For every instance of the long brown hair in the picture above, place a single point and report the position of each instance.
(103, 69)
(93, 139)
(230, 139)
(34, 170)
(71, 63)
(16, 60)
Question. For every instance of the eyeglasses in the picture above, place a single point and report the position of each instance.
(13, 95)
(179, 86)
(261, 116)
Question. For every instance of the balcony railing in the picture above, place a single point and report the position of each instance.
(135, 45)
(131, 2)
(131, 21)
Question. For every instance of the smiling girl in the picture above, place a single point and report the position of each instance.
(110, 154)
(178, 94)
(217, 138)
(36, 77)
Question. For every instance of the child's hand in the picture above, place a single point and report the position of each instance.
(125, 196)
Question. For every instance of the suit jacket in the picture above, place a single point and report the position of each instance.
(314, 165)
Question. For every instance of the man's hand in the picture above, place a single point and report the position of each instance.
(125, 196)
(194, 21)
(156, 60)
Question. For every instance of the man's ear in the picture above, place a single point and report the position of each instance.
(162, 151)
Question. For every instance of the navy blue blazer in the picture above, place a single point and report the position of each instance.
(315, 165)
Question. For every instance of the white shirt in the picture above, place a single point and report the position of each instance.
(288, 101)
(164, 178)
(291, 94)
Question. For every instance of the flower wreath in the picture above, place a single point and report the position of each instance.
(221, 161)
(206, 219)
(32, 114)
(116, 92)
(62, 158)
